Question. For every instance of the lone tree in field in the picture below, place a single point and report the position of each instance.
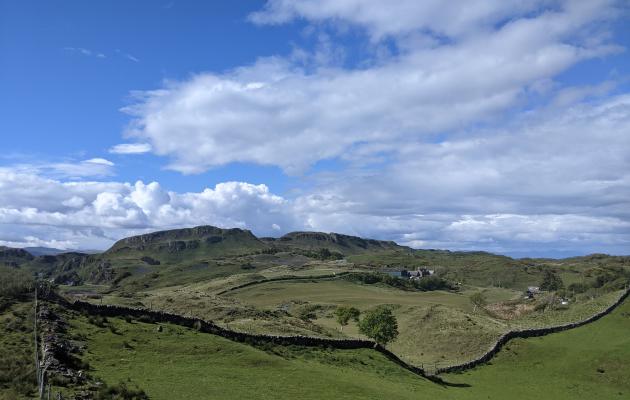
(478, 299)
(380, 325)
(551, 281)
(345, 314)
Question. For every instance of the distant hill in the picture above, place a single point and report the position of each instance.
(50, 251)
(344, 244)
(44, 251)
(196, 254)
(14, 257)
(187, 243)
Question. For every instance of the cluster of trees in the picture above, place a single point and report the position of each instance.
(379, 324)
(597, 280)
(425, 284)
(551, 281)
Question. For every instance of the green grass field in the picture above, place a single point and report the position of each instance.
(270, 295)
(178, 363)
(17, 366)
(591, 362)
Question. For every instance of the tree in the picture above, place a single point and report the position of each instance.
(379, 324)
(478, 299)
(345, 314)
(551, 281)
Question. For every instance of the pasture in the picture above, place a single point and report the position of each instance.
(179, 363)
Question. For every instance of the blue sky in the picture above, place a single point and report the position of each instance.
(77, 96)
(504, 127)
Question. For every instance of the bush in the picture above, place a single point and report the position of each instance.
(98, 320)
(120, 392)
(345, 314)
(424, 284)
(551, 281)
(432, 282)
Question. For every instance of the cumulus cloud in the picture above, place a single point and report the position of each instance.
(451, 134)
(552, 178)
(279, 112)
(555, 181)
(453, 19)
(94, 214)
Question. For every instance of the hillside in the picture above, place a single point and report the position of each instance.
(206, 252)
(188, 243)
(14, 257)
(335, 242)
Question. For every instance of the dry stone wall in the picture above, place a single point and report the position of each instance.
(210, 327)
(526, 333)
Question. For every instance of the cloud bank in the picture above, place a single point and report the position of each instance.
(451, 133)
(553, 182)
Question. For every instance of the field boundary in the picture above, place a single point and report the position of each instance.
(210, 327)
(527, 333)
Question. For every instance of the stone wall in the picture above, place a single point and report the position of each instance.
(210, 327)
(526, 333)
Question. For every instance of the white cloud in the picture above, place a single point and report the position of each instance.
(130, 148)
(555, 181)
(419, 128)
(280, 112)
(85, 52)
(452, 19)
(94, 214)
(99, 161)
(94, 167)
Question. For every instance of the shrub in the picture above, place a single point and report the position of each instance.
(120, 391)
(432, 283)
(478, 299)
(345, 314)
(306, 314)
(551, 281)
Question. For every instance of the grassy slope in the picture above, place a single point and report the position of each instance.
(436, 328)
(563, 365)
(179, 363)
(17, 370)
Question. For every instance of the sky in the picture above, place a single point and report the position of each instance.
(495, 125)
